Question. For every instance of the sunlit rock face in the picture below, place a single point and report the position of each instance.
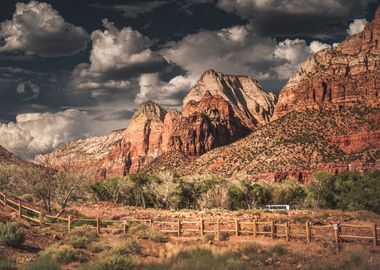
(343, 76)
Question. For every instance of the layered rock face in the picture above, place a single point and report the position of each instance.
(141, 142)
(250, 102)
(218, 110)
(343, 76)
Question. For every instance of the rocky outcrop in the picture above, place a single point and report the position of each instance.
(250, 102)
(218, 110)
(343, 76)
(141, 142)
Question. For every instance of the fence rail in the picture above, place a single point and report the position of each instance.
(338, 232)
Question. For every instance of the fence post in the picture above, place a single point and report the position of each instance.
(272, 232)
(150, 223)
(237, 227)
(124, 228)
(179, 227)
(201, 224)
(97, 226)
(69, 223)
(5, 200)
(287, 231)
(337, 237)
(218, 228)
(374, 232)
(254, 228)
(41, 217)
(19, 210)
(307, 232)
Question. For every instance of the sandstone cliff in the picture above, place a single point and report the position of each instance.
(346, 75)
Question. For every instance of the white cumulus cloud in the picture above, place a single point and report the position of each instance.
(37, 28)
(35, 133)
(316, 46)
(356, 26)
(166, 93)
(117, 55)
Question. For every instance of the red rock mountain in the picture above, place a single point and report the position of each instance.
(327, 118)
(346, 75)
(218, 110)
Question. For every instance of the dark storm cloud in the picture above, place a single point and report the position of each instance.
(319, 18)
(37, 28)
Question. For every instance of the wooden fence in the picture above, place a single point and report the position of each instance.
(338, 232)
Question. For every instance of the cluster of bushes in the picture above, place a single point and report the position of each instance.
(11, 235)
(348, 190)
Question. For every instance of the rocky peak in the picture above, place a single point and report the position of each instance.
(150, 110)
(244, 93)
(343, 76)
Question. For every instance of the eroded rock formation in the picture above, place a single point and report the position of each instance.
(343, 76)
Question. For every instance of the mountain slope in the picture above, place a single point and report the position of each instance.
(296, 145)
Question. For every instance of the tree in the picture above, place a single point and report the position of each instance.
(322, 190)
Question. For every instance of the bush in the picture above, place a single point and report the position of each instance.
(209, 236)
(10, 234)
(126, 247)
(97, 247)
(7, 265)
(223, 236)
(27, 197)
(278, 249)
(144, 232)
(61, 254)
(45, 263)
(81, 237)
(112, 261)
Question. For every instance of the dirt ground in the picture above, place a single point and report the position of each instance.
(40, 237)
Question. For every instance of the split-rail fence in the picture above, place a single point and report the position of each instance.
(337, 232)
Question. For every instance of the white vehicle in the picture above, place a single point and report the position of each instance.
(277, 207)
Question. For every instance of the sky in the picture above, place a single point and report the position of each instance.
(73, 69)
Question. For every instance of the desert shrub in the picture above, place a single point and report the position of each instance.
(110, 261)
(202, 259)
(209, 236)
(81, 237)
(27, 197)
(251, 250)
(96, 247)
(223, 236)
(277, 249)
(45, 263)
(7, 265)
(61, 254)
(144, 232)
(11, 235)
(128, 246)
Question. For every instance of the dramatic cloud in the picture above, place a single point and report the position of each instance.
(166, 93)
(35, 133)
(356, 26)
(37, 28)
(294, 17)
(239, 50)
(116, 57)
(317, 46)
(134, 10)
